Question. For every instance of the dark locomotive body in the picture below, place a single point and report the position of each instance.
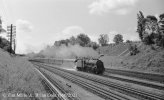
(90, 65)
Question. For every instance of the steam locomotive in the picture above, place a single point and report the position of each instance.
(95, 66)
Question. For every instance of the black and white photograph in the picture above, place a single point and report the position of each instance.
(81, 49)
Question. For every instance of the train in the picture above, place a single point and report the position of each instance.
(84, 64)
(90, 65)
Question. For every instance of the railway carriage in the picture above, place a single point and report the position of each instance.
(48, 60)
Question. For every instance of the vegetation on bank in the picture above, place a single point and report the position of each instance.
(18, 76)
(4, 43)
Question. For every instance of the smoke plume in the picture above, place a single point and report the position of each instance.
(70, 51)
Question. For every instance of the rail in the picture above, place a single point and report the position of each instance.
(60, 96)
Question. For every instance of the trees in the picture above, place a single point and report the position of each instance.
(94, 45)
(151, 31)
(73, 40)
(0, 25)
(161, 23)
(147, 28)
(103, 39)
(83, 39)
(5, 44)
(60, 42)
(151, 25)
(140, 26)
(1, 29)
(161, 30)
(118, 38)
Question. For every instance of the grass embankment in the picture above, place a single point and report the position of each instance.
(149, 59)
(17, 76)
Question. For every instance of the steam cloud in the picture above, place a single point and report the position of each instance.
(70, 51)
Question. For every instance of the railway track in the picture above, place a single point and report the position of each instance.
(56, 92)
(139, 94)
(147, 76)
(155, 81)
(134, 80)
(102, 92)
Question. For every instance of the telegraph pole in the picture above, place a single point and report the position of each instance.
(14, 45)
(11, 34)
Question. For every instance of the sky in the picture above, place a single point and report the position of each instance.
(42, 22)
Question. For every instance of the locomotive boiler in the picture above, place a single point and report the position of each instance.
(90, 65)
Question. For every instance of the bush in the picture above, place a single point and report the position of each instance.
(161, 42)
(5, 45)
(133, 49)
(94, 45)
(128, 41)
(148, 40)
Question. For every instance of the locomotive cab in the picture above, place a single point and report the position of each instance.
(79, 64)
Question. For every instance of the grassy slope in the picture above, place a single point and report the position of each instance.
(148, 60)
(113, 50)
(17, 76)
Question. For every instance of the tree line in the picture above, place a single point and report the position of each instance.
(81, 39)
(150, 29)
(84, 40)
